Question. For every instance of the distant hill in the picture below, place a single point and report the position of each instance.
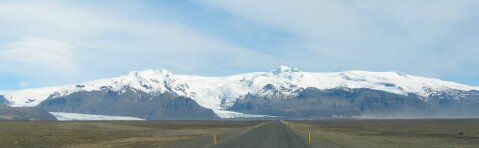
(129, 102)
(24, 113)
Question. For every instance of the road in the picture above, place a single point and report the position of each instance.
(272, 135)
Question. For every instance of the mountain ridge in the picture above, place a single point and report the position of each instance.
(221, 93)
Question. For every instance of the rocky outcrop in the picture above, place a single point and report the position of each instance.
(345, 103)
(129, 102)
(4, 101)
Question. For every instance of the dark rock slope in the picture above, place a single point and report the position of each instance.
(24, 113)
(129, 102)
(4, 101)
(343, 102)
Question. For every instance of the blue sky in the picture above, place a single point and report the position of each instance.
(45, 43)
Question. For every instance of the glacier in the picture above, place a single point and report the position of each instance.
(219, 93)
(62, 116)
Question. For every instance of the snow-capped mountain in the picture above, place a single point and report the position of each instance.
(221, 93)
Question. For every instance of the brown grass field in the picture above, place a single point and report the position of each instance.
(418, 133)
(118, 133)
(325, 133)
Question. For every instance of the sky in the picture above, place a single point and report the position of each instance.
(50, 42)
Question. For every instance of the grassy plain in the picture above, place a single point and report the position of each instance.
(118, 133)
(324, 133)
(391, 133)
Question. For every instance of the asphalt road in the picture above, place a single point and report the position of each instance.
(272, 135)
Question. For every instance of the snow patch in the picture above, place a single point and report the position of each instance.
(220, 93)
(62, 116)
(30, 97)
(283, 69)
(231, 114)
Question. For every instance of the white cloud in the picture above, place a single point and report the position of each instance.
(368, 35)
(23, 84)
(347, 19)
(96, 42)
(48, 53)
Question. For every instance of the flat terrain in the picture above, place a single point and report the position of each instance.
(391, 133)
(324, 133)
(119, 133)
(274, 134)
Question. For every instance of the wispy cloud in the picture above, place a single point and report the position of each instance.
(91, 42)
(23, 84)
(57, 42)
(427, 37)
(45, 53)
